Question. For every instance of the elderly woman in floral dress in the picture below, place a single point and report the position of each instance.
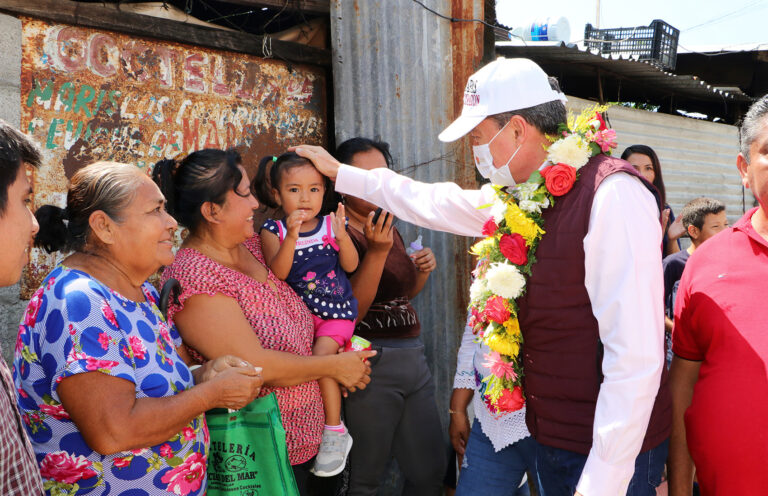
(102, 383)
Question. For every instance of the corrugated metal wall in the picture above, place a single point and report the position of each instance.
(698, 158)
(393, 80)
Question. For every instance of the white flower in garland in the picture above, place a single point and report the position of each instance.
(523, 205)
(478, 288)
(498, 209)
(525, 191)
(505, 280)
(530, 206)
(571, 150)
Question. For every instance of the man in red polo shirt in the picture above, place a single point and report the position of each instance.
(719, 376)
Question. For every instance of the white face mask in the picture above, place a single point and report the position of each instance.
(484, 163)
(503, 176)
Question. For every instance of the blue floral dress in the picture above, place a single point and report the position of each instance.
(74, 324)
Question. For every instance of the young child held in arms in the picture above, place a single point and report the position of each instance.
(312, 253)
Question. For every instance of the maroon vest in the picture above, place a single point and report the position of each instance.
(562, 352)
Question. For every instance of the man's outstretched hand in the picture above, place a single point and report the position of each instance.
(319, 156)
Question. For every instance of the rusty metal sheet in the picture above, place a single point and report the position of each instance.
(401, 78)
(90, 95)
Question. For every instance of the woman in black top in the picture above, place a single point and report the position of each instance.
(396, 415)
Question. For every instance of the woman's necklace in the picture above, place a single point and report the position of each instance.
(113, 268)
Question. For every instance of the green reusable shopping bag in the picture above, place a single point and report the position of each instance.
(248, 455)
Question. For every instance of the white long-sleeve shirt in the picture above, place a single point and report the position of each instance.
(623, 279)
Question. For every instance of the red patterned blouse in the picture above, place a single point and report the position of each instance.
(280, 320)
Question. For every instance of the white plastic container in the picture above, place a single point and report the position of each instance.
(547, 29)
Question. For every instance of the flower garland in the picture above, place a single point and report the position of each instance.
(506, 255)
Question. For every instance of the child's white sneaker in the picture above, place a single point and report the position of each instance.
(333, 453)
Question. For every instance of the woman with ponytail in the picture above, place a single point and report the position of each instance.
(232, 302)
(105, 389)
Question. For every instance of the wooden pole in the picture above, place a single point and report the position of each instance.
(600, 87)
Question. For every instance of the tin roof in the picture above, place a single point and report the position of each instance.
(582, 61)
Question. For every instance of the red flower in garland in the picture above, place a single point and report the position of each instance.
(513, 247)
(476, 321)
(559, 178)
(496, 310)
(511, 401)
(490, 227)
(599, 117)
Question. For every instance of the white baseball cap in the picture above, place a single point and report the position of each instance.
(501, 86)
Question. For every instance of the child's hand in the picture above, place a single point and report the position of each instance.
(294, 221)
(339, 223)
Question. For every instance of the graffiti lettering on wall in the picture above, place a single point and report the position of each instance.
(91, 95)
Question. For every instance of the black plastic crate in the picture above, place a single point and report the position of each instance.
(656, 43)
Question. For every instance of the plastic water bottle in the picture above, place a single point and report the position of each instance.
(547, 29)
(414, 246)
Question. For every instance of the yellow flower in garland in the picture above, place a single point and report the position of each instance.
(512, 326)
(503, 343)
(516, 213)
(581, 122)
(483, 248)
(519, 222)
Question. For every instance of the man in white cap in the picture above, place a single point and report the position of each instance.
(591, 318)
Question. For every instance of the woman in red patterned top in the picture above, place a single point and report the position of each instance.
(231, 301)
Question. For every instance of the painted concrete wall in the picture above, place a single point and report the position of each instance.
(11, 307)
(85, 95)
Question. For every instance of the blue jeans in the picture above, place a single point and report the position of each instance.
(490, 473)
(559, 471)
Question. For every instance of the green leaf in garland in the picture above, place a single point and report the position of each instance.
(535, 177)
(594, 148)
(175, 461)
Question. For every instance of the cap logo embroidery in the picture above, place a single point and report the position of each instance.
(471, 98)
